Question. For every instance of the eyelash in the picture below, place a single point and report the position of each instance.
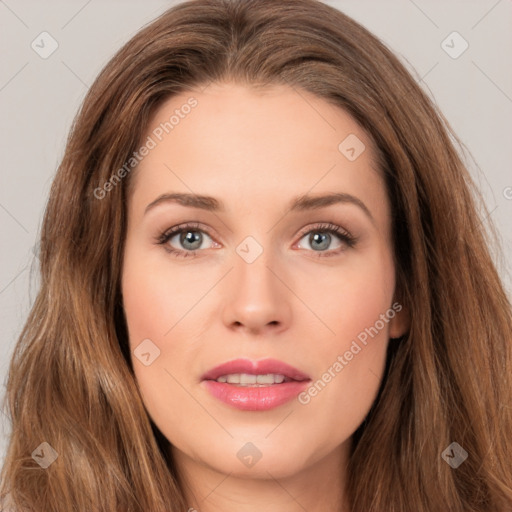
(343, 235)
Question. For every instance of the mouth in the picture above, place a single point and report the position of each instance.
(250, 380)
(255, 385)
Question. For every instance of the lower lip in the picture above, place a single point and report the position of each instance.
(261, 398)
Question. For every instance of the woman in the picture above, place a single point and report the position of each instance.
(338, 339)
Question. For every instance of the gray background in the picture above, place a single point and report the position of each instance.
(39, 98)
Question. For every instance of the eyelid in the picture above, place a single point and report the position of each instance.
(182, 226)
(324, 226)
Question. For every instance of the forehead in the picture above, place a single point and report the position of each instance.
(245, 144)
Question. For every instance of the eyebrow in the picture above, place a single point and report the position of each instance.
(300, 203)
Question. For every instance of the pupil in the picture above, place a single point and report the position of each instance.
(191, 237)
(321, 238)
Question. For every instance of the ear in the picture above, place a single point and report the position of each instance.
(401, 322)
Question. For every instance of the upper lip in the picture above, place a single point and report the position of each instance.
(262, 367)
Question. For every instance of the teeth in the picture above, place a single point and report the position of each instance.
(267, 379)
(246, 379)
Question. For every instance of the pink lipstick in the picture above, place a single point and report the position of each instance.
(255, 385)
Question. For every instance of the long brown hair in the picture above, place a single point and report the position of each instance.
(70, 381)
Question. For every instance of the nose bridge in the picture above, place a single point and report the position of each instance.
(257, 297)
(252, 272)
(254, 281)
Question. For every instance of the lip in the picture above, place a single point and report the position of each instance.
(255, 368)
(255, 398)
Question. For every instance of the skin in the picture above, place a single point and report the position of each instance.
(255, 150)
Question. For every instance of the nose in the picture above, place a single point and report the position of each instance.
(257, 298)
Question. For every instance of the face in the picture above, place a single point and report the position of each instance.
(258, 317)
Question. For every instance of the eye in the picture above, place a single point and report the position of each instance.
(321, 236)
(186, 240)
(188, 237)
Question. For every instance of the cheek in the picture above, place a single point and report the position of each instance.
(154, 303)
(163, 304)
(150, 307)
(155, 299)
(357, 308)
(352, 299)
